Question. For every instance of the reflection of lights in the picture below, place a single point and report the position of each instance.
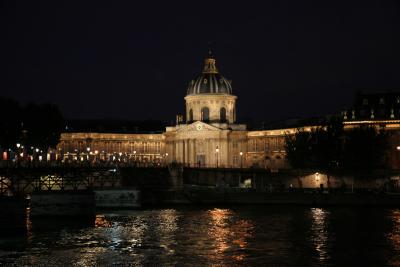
(394, 235)
(319, 233)
(317, 176)
(101, 221)
(219, 229)
(167, 227)
(229, 234)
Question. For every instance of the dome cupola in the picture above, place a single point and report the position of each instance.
(209, 81)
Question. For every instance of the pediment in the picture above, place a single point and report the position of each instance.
(199, 126)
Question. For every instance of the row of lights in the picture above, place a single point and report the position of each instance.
(96, 152)
(240, 153)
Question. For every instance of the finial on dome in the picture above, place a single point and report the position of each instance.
(209, 63)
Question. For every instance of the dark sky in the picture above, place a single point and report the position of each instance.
(134, 59)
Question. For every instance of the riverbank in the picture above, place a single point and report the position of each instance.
(229, 197)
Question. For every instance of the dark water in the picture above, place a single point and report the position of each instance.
(243, 236)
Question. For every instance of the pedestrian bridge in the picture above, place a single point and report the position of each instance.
(24, 181)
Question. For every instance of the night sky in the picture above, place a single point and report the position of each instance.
(134, 59)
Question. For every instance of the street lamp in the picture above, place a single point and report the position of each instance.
(18, 149)
(217, 151)
(241, 159)
(166, 155)
(88, 150)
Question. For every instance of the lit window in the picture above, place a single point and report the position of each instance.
(253, 145)
(158, 147)
(266, 145)
(205, 81)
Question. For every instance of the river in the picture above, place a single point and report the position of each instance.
(208, 236)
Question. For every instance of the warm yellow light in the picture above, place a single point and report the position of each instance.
(88, 149)
(166, 154)
(241, 153)
(18, 145)
(96, 152)
(398, 148)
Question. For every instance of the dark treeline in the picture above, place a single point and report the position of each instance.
(31, 125)
(330, 148)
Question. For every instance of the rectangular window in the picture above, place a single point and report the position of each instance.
(144, 147)
(158, 147)
(235, 160)
(253, 145)
(235, 144)
(266, 145)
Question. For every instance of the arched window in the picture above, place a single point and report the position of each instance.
(222, 114)
(205, 114)
(190, 115)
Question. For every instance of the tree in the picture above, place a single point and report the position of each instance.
(43, 125)
(34, 125)
(327, 147)
(10, 122)
(364, 149)
(298, 151)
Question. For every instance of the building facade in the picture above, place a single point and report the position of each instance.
(209, 135)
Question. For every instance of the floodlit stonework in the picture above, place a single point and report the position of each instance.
(210, 136)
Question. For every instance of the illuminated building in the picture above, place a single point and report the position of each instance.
(209, 136)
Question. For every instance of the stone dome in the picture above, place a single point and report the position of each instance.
(209, 81)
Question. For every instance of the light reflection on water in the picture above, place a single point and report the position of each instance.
(319, 234)
(394, 236)
(243, 236)
(228, 235)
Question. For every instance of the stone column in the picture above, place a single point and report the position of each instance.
(193, 155)
(186, 151)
